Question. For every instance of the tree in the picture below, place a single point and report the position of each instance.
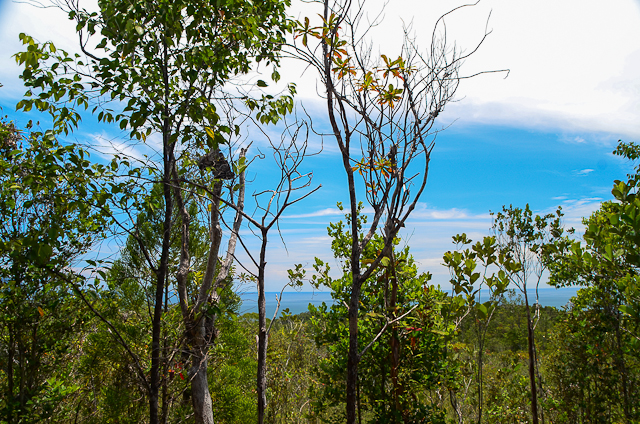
(288, 154)
(382, 113)
(163, 63)
(468, 267)
(403, 329)
(46, 228)
(524, 242)
(607, 266)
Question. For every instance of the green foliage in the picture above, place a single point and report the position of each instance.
(153, 57)
(46, 227)
(233, 370)
(402, 330)
(591, 370)
(293, 360)
(463, 267)
(604, 322)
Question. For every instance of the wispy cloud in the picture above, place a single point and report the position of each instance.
(321, 212)
(106, 146)
(423, 211)
(584, 172)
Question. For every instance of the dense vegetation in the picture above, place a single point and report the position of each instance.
(62, 363)
(152, 333)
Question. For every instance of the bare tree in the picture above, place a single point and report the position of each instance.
(288, 155)
(382, 112)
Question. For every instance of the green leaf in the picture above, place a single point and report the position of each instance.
(625, 309)
(482, 310)
(44, 252)
(261, 83)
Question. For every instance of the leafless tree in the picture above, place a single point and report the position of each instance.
(292, 186)
(382, 111)
(288, 155)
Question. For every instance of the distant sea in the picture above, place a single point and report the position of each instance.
(298, 302)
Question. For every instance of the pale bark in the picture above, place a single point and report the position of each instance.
(199, 328)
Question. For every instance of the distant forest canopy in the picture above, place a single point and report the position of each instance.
(154, 334)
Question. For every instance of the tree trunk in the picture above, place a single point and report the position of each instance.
(261, 378)
(200, 396)
(154, 380)
(352, 358)
(164, 414)
(10, 359)
(532, 368)
(168, 162)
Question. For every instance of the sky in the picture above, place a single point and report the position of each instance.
(542, 136)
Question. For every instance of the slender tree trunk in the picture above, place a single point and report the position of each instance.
(154, 380)
(9, 398)
(622, 369)
(454, 404)
(200, 330)
(195, 319)
(352, 358)
(161, 274)
(532, 367)
(165, 365)
(200, 395)
(261, 378)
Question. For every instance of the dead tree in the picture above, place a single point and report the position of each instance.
(271, 203)
(382, 111)
(288, 154)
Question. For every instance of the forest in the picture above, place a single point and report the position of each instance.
(153, 332)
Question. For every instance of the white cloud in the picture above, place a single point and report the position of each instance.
(321, 212)
(424, 212)
(575, 210)
(573, 64)
(106, 146)
(584, 172)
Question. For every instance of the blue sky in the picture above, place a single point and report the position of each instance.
(542, 136)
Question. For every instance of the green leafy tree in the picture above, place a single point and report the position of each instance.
(605, 313)
(403, 332)
(589, 364)
(524, 242)
(46, 228)
(162, 65)
(469, 269)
